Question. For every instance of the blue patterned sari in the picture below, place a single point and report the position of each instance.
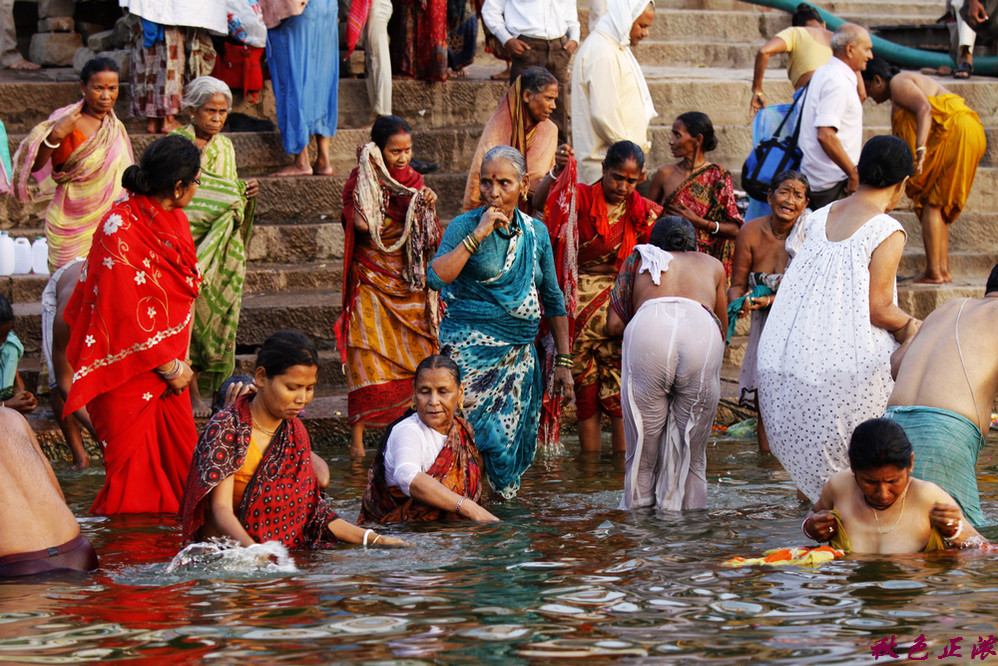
(493, 311)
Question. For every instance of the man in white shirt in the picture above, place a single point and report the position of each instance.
(610, 99)
(831, 135)
(541, 33)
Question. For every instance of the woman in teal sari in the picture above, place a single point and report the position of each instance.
(496, 274)
(221, 217)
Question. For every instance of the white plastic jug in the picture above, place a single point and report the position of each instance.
(40, 256)
(6, 254)
(22, 256)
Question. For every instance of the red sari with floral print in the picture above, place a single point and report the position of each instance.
(130, 313)
(282, 502)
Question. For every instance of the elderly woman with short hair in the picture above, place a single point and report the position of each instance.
(496, 274)
(221, 217)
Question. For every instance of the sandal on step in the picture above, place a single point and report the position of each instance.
(963, 71)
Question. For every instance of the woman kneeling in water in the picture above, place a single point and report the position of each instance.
(252, 477)
(427, 467)
(868, 501)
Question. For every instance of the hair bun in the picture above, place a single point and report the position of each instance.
(134, 179)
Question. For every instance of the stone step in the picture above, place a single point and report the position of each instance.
(921, 299)
(972, 232)
(312, 312)
(963, 265)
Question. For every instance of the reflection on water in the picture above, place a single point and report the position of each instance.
(566, 575)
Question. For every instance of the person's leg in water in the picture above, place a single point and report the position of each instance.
(760, 428)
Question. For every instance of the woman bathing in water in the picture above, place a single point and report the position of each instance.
(868, 501)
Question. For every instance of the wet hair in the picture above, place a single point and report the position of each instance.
(622, 151)
(879, 67)
(6, 310)
(885, 161)
(96, 66)
(438, 361)
(223, 390)
(511, 155)
(166, 161)
(879, 442)
(803, 14)
(386, 127)
(286, 349)
(674, 234)
(535, 79)
(698, 124)
(848, 33)
(791, 174)
(198, 92)
(992, 284)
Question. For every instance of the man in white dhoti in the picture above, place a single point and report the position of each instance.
(671, 299)
(610, 99)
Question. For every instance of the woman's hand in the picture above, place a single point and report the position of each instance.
(564, 385)
(758, 102)
(753, 303)
(684, 211)
(919, 161)
(492, 219)
(181, 381)
(429, 196)
(66, 126)
(388, 541)
(478, 513)
(820, 526)
(947, 519)
(561, 158)
(22, 401)
(252, 188)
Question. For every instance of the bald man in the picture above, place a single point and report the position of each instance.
(831, 134)
(946, 380)
(38, 532)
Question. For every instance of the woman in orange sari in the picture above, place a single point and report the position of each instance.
(593, 230)
(697, 190)
(522, 120)
(130, 329)
(427, 467)
(389, 319)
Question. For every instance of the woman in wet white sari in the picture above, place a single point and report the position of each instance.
(669, 303)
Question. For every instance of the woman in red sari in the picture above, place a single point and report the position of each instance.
(252, 478)
(697, 190)
(591, 240)
(389, 319)
(427, 467)
(130, 325)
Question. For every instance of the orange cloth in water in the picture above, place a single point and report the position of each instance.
(801, 556)
(245, 473)
(956, 144)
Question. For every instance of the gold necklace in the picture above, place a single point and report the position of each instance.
(900, 513)
(256, 424)
(776, 235)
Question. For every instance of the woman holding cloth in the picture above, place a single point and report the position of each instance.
(389, 319)
(221, 218)
(496, 272)
(130, 324)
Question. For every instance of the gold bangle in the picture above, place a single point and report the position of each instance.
(920, 149)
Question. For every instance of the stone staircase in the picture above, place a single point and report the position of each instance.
(699, 57)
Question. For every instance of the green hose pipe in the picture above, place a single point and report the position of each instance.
(903, 56)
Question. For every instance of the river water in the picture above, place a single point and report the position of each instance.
(565, 576)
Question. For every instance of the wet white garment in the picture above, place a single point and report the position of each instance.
(823, 367)
(412, 448)
(670, 387)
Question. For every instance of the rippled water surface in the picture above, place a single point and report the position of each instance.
(565, 575)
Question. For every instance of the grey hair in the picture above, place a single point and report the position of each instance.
(511, 155)
(848, 33)
(203, 88)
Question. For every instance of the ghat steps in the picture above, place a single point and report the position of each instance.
(699, 57)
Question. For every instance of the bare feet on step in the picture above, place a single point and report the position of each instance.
(292, 170)
(24, 65)
(929, 278)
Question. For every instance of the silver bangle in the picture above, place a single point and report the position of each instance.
(45, 140)
(717, 227)
(457, 509)
(367, 533)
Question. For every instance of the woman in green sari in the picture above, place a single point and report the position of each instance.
(221, 217)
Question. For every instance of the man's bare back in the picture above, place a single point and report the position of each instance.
(34, 515)
(929, 371)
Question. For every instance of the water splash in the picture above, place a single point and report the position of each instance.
(224, 555)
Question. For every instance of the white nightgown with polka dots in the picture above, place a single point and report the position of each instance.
(823, 367)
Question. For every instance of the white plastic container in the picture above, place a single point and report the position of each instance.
(6, 254)
(40, 256)
(22, 256)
